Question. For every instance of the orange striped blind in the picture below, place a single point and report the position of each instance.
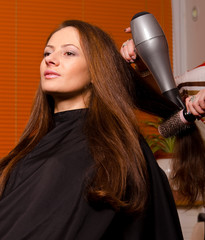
(25, 25)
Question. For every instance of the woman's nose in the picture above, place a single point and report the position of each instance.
(52, 59)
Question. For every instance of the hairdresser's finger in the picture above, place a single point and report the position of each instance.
(193, 110)
(127, 51)
(196, 102)
(187, 101)
(200, 97)
(197, 107)
(131, 49)
(193, 106)
(189, 105)
(126, 55)
(202, 103)
(124, 52)
(127, 30)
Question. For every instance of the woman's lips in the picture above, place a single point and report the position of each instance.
(49, 74)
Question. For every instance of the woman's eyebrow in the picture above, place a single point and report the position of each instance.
(50, 46)
(70, 44)
(64, 45)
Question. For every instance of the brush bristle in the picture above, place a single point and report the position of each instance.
(173, 126)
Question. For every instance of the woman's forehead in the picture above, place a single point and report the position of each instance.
(67, 35)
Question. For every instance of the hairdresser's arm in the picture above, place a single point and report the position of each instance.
(129, 53)
(196, 103)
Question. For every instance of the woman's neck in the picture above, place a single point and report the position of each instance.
(62, 105)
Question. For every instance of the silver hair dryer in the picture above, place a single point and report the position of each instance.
(152, 47)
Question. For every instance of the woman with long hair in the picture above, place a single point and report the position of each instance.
(81, 169)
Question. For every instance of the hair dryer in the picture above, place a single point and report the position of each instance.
(152, 47)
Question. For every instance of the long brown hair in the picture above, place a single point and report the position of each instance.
(111, 126)
(188, 166)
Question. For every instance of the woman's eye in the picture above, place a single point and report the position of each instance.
(46, 54)
(69, 53)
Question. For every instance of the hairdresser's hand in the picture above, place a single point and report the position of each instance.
(196, 104)
(128, 50)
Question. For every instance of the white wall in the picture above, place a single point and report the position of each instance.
(188, 219)
(188, 52)
(188, 34)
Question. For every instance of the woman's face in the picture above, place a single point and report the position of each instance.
(64, 70)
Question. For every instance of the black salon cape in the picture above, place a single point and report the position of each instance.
(44, 197)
